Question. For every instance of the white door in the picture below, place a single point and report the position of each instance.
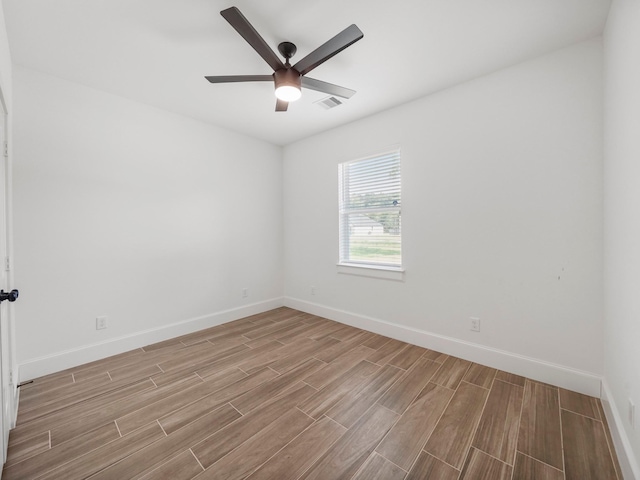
(7, 389)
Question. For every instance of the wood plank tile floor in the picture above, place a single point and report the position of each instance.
(287, 395)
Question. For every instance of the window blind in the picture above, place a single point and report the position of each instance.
(370, 207)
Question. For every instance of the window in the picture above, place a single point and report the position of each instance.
(370, 212)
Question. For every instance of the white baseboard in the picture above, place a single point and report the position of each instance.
(536, 369)
(38, 367)
(626, 456)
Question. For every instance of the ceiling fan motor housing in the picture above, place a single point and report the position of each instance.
(288, 84)
(288, 77)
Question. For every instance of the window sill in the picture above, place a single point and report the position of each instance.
(386, 273)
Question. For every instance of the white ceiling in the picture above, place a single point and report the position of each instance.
(158, 51)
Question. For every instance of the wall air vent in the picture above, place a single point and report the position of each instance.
(329, 102)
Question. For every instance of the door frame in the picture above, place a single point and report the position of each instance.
(6, 158)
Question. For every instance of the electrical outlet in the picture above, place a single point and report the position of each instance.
(313, 290)
(245, 292)
(632, 414)
(101, 323)
(474, 324)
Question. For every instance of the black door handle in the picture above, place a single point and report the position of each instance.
(12, 296)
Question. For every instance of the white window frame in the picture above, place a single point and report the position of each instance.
(364, 268)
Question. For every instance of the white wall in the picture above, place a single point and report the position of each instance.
(128, 211)
(622, 215)
(502, 213)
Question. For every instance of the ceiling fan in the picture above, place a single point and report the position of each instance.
(289, 79)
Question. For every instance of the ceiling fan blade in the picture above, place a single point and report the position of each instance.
(281, 105)
(239, 78)
(250, 34)
(324, 87)
(324, 52)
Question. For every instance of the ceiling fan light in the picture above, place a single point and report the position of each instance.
(288, 93)
(288, 85)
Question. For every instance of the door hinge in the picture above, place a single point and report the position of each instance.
(5, 149)
(7, 263)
